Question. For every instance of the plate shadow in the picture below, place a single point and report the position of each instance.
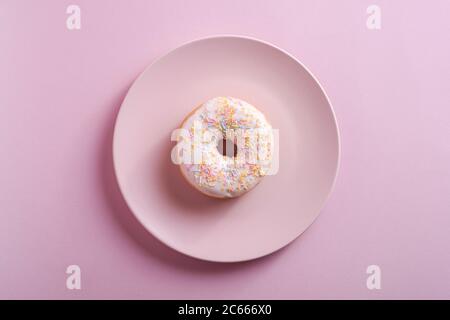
(178, 190)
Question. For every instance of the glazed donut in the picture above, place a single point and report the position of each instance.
(230, 144)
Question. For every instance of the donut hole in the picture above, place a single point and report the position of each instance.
(227, 148)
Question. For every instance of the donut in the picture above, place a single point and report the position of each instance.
(227, 147)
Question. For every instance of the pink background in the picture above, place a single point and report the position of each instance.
(60, 93)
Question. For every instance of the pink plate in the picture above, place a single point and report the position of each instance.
(282, 206)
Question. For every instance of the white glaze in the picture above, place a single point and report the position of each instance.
(224, 176)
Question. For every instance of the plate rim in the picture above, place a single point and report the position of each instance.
(184, 45)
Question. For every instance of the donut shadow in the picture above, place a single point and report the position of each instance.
(177, 189)
(153, 248)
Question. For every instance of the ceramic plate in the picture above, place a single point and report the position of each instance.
(283, 205)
